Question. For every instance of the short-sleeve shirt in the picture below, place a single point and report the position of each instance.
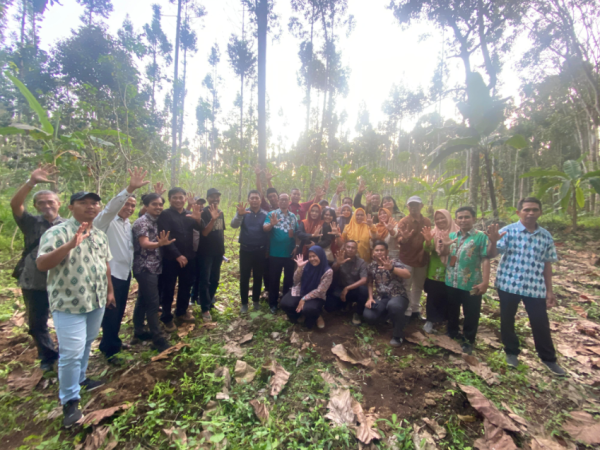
(281, 244)
(145, 260)
(212, 244)
(387, 284)
(77, 285)
(524, 254)
(351, 271)
(436, 269)
(33, 227)
(470, 249)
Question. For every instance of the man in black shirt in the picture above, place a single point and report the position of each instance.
(31, 280)
(210, 252)
(253, 246)
(178, 258)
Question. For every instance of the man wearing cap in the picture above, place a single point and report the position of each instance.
(211, 251)
(114, 221)
(412, 252)
(31, 281)
(76, 254)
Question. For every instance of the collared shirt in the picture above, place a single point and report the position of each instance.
(386, 283)
(145, 260)
(281, 244)
(470, 249)
(212, 244)
(78, 284)
(351, 271)
(120, 239)
(411, 250)
(180, 225)
(252, 234)
(524, 254)
(33, 227)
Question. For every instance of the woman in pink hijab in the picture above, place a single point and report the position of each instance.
(435, 283)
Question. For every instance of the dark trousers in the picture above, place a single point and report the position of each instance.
(312, 309)
(38, 308)
(195, 296)
(360, 295)
(146, 306)
(251, 262)
(538, 318)
(394, 308)
(171, 274)
(437, 301)
(276, 266)
(111, 322)
(266, 274)
(209, 274)
(471, 305)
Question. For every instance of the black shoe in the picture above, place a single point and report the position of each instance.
(115, 360)
(244, 309)
(49, 367)
(91, 385)
(71, 413)
(467, 348)
(161, 345)
(555, 369)
(273, 309)
(256, 306)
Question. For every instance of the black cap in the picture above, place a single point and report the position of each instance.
(212, 191)
(82, 194)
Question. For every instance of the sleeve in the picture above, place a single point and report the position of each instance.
(326, 240)
(140, 228)
(108, 253)
(358, 200)
(108, 214)
(164, 224)
(334, 201)
(321, 291)
(25, 222)
(483, 245)
(502, 244)
(302, 234)
(50, 241)
(223, 219)
(428, 246)
(362, 271)
(236, 222)
(298, 275)
(550, 254)
(268, 219)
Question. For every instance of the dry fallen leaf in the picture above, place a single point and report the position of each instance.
(419, 338)
(245, 338)
(364, 432)
(280, 376)
(176, 435)
(447, 343)
(185, 329)
(18, 319)
(539, 443)
(243, 372)
(487, 409)
(96, 416)
(169, 351)
(466, 418)
(233, 348)
(439, 431)
(579, 310)
(583, 427)
(222, 396)
(340, 407)
(422, 439)
(353, 356)
(23, 384)
(567, 351)
(495, 438)
(295, 338)
(224, 372)
(481, 370)
(208, 325)
(261, 410)
(96, 439)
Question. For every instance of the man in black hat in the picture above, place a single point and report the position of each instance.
(210, 252)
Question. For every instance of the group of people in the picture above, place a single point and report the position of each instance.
(368, 259)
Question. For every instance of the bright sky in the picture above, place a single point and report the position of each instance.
(378, 54)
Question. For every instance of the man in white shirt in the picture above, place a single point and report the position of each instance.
(114, 221)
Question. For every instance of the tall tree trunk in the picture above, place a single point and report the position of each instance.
(262, 13)
(474, 178)
(175, 100)
(182, 103)
(514, 199)
(574, 210)
(490, 182)
(309, 79)
(241, 178)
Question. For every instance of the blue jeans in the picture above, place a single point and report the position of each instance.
(75, 333)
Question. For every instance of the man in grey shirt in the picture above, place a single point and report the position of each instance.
(30, 279)
(114, 221)
(349, 282)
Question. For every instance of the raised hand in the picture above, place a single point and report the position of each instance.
(214, 212)
(369, 220)
(340, 257)
(362, 186)
(41, 174)
(318, 232)
(391, 225)
(319, 194)
(257, 170)
(196, 213)
(326, 185)
(368, 196)
(136, 179)
(163, 239)
(341, 187)
(268, 175)
(335, 230)
(83, 232)
(300, 261)
(241, 209)
(427, 234)
(447, 241)
(159, 188)
(190, 199)
(406, 235)
(274, 219)
(493, 234)
(386, 263)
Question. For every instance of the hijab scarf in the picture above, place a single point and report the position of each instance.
(343, 221)
(438, 234)
(310, 226)
(382, 231)
(311, 276)
(360, 233)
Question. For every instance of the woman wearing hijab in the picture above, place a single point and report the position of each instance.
(311, 282)
(386, 230)
(311, 229)
(328, 242)
(435, 283)
(357, 230)
(344, 217)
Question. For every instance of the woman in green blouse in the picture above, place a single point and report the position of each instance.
(435, 284)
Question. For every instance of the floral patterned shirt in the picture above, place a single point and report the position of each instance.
(146, 260)
(281, 244)
(469, 251)
(387, 285)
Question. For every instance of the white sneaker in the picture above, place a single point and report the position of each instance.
(428, 327)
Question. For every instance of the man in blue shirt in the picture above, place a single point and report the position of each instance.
(525, 273)
(282, 226)
(254, 242)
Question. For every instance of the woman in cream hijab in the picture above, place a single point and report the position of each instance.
(435, 283)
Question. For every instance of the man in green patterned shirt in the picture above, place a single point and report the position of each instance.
(76, 255)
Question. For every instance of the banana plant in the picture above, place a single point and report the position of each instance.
(453, 192)
(569, 182)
